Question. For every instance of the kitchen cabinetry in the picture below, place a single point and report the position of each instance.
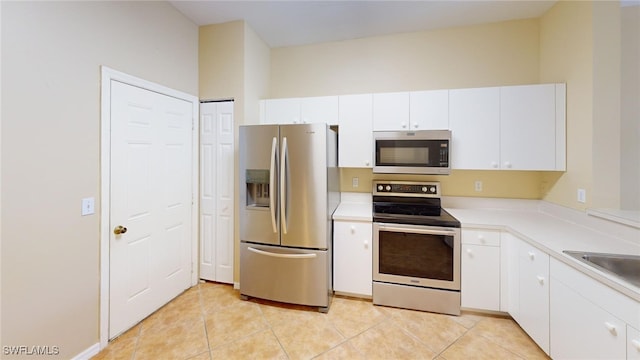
(589, 319)
(531, 306)
(481, 269)
(391, 111)
(633, 343)
(308, 110)
(355, 139)
(352, 257)
(532, 127)
(429, 110)
(474, 118)
(509, 127)
(403, 111)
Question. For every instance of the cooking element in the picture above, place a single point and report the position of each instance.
(290, 189)
(412, 152)
(416, 248)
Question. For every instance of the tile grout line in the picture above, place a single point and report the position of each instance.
(204, 320)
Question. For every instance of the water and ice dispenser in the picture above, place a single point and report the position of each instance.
(257, 188)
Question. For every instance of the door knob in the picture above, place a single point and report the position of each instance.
(119, 230)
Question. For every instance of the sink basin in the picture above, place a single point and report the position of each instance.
(626, 267)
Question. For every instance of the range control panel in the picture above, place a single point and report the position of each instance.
(406, 188)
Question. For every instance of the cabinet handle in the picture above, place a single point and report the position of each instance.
(415, 125)
(353, 229)
(494, 164)
(507, 165)
(404, 125)
(611, 328)
(366, 244)
(636, 344)
(532, 255)
(540, 280)
(366, 162)
(481, 238)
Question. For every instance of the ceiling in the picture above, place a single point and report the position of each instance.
(300, 22)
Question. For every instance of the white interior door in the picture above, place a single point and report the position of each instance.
(151, 196)
(216, 191)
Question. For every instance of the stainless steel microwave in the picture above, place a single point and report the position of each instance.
(412, 152)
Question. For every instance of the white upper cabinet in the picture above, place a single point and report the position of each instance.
(429, 110)
(321, 109)
(508, 128)
(474, 119)
(355, 139)
(528, 127)
(391, 111)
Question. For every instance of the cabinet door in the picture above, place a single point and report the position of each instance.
(582, 330)
(391, 111)
(429, 110)
(528, 127)
(352, 258)
(355, 140)
(321, 109)
(474, 119)
(633, 343)
(481, 277)
(534, 294)
(282, 111)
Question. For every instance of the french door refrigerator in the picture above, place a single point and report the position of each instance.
(289, 190)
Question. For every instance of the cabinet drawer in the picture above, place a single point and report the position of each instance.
(481, 237)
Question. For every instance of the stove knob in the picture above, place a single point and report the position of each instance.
(433, 189)
(380, 187)
(388, 188)
(424, 189)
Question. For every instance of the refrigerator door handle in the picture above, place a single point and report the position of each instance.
(272, 178)
(283, 185)
(286, 256)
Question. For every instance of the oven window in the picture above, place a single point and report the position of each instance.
(423, 256)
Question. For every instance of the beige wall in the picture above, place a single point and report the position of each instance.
(630, 109)
(504, 53)
(234, 63)
(566, 49)
(51, 58)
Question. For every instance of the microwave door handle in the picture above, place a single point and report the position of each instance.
(272, 185)
(283, 185)
(417, 231)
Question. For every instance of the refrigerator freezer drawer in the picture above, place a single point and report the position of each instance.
(297, 276)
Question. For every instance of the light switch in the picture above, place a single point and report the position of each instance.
(88, 206)
(582, 196)
(355, 182)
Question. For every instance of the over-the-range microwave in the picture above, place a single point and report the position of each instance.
(412, 152)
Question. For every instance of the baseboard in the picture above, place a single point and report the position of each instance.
(90, 352)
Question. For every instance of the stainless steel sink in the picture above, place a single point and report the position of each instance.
(626, 267)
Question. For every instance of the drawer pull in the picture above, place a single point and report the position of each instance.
(353, 229)
(636, 344)
(366, 244)
(611, 328)
(532, 255)
(540, 279)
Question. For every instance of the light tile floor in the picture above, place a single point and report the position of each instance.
(209, 321)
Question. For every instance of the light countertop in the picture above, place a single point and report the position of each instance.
(548, 227)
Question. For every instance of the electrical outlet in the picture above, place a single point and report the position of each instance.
(582, 196)
(355, 182)
(478, 185)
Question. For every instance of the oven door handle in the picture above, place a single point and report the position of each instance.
(416, 230)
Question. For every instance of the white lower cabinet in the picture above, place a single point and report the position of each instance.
(352, 257)
(480, 269)
(633, 343)
(580, 328)
(529, 305)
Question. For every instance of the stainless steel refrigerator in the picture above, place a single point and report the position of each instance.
(289, 190)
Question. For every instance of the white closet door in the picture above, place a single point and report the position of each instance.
(216, 191)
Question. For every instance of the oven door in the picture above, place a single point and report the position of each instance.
(425, 256)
